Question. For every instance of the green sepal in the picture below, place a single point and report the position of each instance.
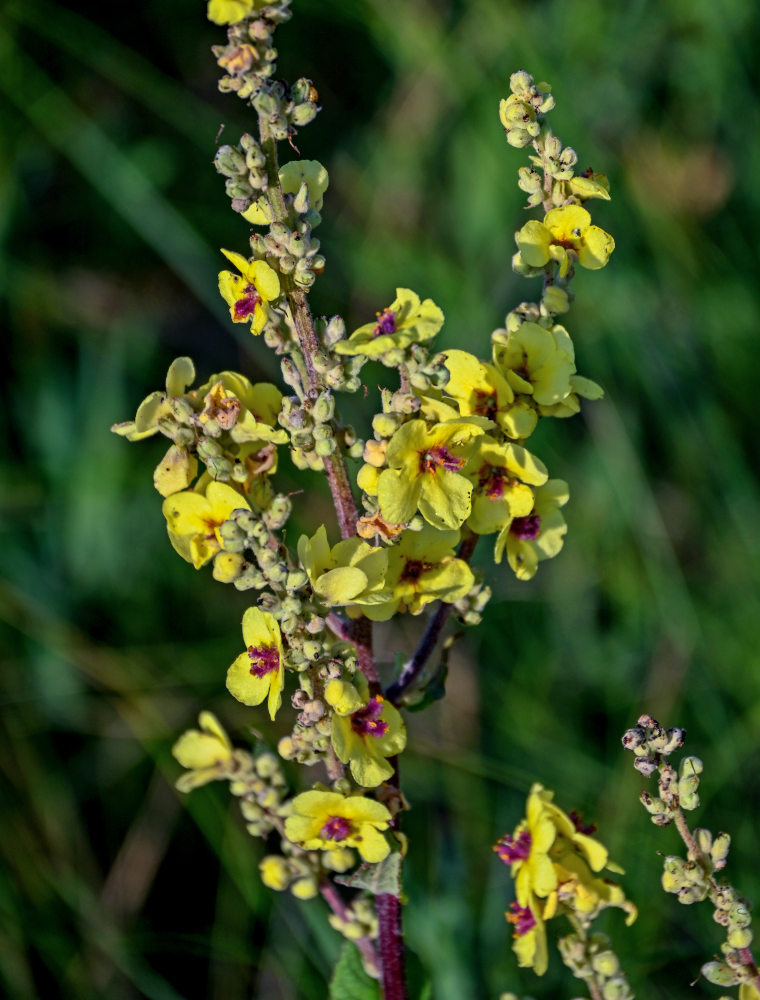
(383, 878)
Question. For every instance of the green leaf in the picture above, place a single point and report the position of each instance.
(384, 877)
(349, 980)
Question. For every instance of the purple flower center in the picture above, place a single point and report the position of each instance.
(492, 481)
(486, 403)
(511, 849)
(386, 324)
(367, 721)
(521, 919)
(264, 660)
(336, 828)
(431, 459)
(414, 569)
(527, 527)
(246, 306)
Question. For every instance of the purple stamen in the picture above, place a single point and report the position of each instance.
(386, 324)
(367, 721)
(439, 456)
(264, 660)
(521, 919)
(528, 527)
(511, 849)
(336, 828)
(492, 481)
(246, 306)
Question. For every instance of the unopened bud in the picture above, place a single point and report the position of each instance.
(645, 765)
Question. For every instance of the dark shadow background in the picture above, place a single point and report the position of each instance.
(110, 219)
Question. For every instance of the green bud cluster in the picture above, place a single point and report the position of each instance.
(309, 740)
(592, 959)
(249, 57)
(261, 790)
(301, 871)
(358, 921)
(520, 111)
(291, 251)
(471, 607)
(244, 166)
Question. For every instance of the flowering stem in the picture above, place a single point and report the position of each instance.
(587, 975)
(364, 944)
(413, 667)
(694, 852)
(391, 947)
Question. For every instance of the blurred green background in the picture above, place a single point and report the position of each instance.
(110, 219)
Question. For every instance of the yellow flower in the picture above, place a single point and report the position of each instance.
(248, 293)
(193, 520)
(207, 753)
(537, 536)
(481, 390)
(529, 933)
(326, 820)
(503, 475)
(565, 235)
(228, 11)
(275, 872)
(536, 361)
(422, 568)
(406, 321)
(527, 851)
(425, 473)
(553, 858)
(350, 573)
(157, 406)
(259, 672)
(255, 417)
(176, 470)
(365, 737)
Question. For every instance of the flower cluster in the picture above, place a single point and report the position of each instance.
(556, 865)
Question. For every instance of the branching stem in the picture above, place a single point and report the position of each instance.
(332, 897)
(413, 667)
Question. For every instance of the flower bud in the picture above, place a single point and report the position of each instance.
(324, 408)
(719, 850)
(739, 937)
(266, 765)
(740, 915)
(305, 888)
(250, 810)
(605, 963)
(229, 161)
(275, 872)
(520, 81)
(616, 989)
(720, 974)
(645, 765)
(633, 738)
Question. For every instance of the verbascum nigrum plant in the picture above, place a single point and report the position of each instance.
(447, 460)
